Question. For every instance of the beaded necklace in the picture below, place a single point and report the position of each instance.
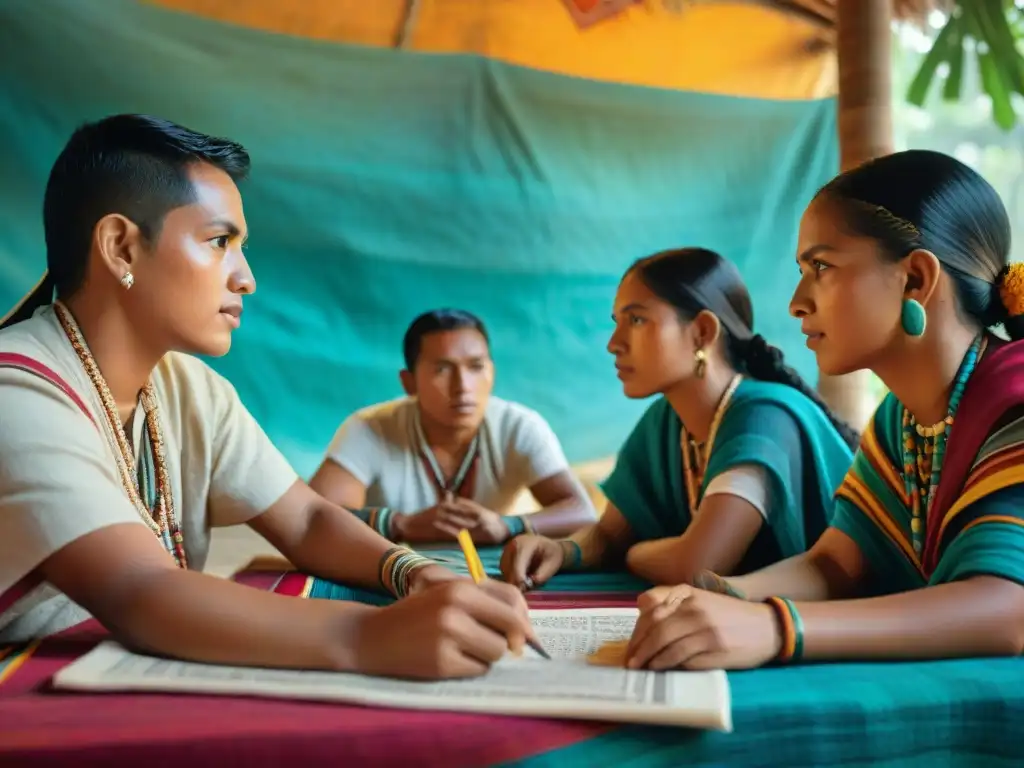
(925, 447)
(157, 511)
(695, 460)
(454, 484)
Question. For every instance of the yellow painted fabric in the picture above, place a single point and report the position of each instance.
(735, 49)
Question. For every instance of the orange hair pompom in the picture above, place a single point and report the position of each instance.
(1011, 289)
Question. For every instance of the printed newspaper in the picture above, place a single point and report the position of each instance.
(565, 687)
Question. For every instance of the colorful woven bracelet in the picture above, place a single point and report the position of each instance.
(572, 555)
(397, 566)
(792, 627)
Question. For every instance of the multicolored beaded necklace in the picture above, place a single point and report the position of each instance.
(695, 456)
(157, 510)
(924, 448)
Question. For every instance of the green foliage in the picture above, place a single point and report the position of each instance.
(992, 31)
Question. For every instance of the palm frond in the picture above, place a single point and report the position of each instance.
(991, 30)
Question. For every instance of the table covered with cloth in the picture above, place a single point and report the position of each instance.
(943, 713)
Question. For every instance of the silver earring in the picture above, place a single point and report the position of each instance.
(127, 281)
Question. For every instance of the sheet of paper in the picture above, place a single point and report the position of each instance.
(566, 687)
(577, 633)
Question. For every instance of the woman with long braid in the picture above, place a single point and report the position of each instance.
(732, 468)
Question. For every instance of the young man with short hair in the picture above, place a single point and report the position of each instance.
(451, 455)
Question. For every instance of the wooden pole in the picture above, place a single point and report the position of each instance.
(864, 46)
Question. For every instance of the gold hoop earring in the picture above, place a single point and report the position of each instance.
(127, 281)
(700, 363)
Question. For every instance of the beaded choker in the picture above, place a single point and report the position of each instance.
(695, 460)
(158, 512)
(924, 448)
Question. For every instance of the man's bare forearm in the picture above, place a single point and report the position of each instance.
(198, 617)
(339, 546)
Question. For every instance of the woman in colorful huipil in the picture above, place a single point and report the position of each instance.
(904, 271)
(733, 468)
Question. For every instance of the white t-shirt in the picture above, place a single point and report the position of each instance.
(58, 472)
(380, 447)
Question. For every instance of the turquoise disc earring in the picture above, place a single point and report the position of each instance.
(913, 318)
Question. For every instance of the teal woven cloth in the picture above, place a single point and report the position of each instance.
(963, 714)
(452, 558)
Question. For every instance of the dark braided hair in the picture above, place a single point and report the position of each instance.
(696, 279)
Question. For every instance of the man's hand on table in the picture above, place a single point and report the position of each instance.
(447, 627)
(444, 520)
(424, 527)
(485, 526)
(430, 576)
(434, 575)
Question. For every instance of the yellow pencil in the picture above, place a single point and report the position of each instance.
(479, 575)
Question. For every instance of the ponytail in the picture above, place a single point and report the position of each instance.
(39, 296)
(766, 363)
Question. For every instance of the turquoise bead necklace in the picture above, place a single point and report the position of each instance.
(924, 448)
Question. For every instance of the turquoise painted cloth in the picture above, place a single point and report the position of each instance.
(766, 424)
(388, 182)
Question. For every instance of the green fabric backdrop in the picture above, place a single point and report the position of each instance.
(386, 183)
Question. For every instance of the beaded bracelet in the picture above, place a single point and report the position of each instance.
(792, 629)
(572, 554)
(378, 518)
(397, 566)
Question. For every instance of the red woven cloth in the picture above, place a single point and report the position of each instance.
(43, 727)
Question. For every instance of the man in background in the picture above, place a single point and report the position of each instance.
(450, 455)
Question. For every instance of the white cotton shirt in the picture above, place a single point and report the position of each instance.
(379, 446)
(59, 478)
